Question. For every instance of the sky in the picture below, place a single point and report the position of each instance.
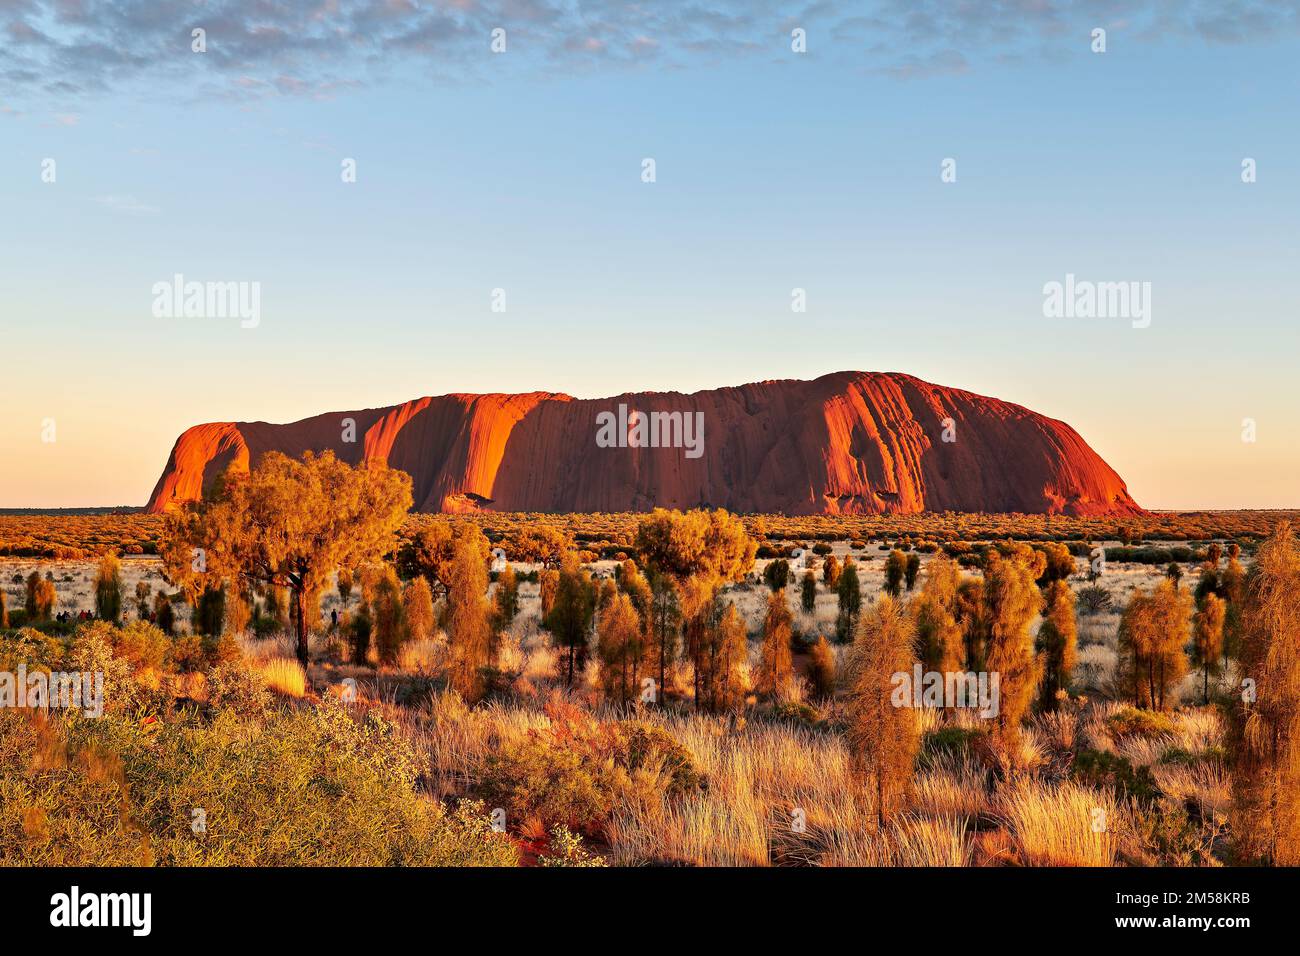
(523, 171)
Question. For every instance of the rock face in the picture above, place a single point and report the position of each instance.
(845, 443)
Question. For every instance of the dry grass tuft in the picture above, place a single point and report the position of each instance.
(1061, 825)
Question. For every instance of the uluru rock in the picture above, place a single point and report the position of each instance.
(845, 443)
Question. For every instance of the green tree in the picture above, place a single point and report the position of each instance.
(808, 592)
(571, 614)
(289, 524)
(777, 574)
(1057, 642)
(911, 570)
(895, 568)
(507, 595)
(849, 592)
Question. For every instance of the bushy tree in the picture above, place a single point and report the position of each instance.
(1232, 588)
(210, 611)
(507, 595)
(938, 634)
(911, 569)
(776, 666)
(108, 589)
(895, 568)
(1152, 633)
(1011, 602)
(727, 652)
(831, 572)
(635, 585)
(1058, 563)
(822, 671)
(849, 591)
(142, 590)
(572, 611)
(1057, 642)
(163, 615)
(417, 602)
(808, 592)
(972, 617)
(289, 524)
(40, 597)
(360, 630)
(1264, 734)
(389, 616)
(883, 738)
(548, 583)
(777, 574)
(469, 624)
(1207, 639)
(699, 552)
(620, 649)
(4, 610)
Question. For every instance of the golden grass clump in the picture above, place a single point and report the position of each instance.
(284, 676)
(1061, 825)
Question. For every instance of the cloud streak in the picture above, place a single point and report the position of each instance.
(322, 48)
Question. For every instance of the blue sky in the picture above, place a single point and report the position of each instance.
(521, 171)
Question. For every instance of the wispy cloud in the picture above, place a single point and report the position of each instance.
(128, 205)
(321, 48)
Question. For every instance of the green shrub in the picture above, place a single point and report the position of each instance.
(946, 741)
(1131, 722)
(1099, 768)
(287, 790)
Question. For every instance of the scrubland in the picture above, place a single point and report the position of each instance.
(345, 762)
